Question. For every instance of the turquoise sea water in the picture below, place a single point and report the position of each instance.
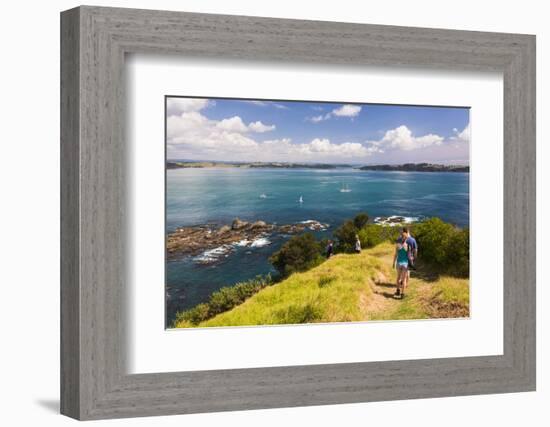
(218, 195)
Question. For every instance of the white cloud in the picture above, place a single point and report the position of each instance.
(236, 124)
(401, 138)
(233, 124)
(192, 135)
(463, 136)
(266, 104)
(347, 110)
(260, 127)
(175, 106)
(320, 118)
(258, 103)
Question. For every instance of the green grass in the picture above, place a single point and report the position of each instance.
(347, 287)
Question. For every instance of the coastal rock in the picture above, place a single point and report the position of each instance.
(211, 241)
(258, 224)
(224, 229)
(237, 224)
(396, 219)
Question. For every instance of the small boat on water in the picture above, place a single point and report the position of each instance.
(301, 200)
(345, 189)
(263, 196)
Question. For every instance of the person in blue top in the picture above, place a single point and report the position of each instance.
(412, 247)
(401, 264)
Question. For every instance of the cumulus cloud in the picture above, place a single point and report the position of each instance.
(233, 124)
(401, 138)
(260, 127)
(192, 135)
(346, 110)
(463, 136)
(175, 106)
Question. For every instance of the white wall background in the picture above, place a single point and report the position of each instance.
(29, 212)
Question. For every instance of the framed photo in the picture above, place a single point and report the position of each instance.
(262, 213)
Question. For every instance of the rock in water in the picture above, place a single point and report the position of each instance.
(224, 229)
(258, 224)
(237, 224)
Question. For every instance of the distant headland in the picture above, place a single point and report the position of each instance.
(417, 167)
(176, 164)
(406, 167)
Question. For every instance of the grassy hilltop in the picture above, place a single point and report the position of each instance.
(348, 287)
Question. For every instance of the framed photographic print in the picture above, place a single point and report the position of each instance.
(262, 213)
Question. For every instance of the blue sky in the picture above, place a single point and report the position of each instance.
(292, 131)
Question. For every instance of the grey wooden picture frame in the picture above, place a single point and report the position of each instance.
(94, 42)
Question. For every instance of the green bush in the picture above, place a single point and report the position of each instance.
(443, 246)
(345, 235)
(374, 234)
(195, 315)
(224, 299)
(360, 220)
(300, 253)
(458, 258)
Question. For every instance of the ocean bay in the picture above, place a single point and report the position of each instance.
(216, 196)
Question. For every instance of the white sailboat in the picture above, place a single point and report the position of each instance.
(301, 200)
(345, 189)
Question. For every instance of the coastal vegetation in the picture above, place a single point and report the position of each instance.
(224, 299)
(300, 253)
(347, 287)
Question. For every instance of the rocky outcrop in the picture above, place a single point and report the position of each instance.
(198, 239)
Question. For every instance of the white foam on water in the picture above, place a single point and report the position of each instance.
(387, 221)
(244, 242)
(260, 243)
(212, 255)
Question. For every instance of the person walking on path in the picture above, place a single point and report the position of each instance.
(401, 264)
(412, 247)
(357, 244)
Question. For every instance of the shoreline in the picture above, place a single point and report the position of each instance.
(407, 167)
(207, 240)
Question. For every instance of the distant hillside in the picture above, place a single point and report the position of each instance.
(276, 165)
(417, 167)
(349, 287)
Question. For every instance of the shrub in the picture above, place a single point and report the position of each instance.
(444, 246)
(374, 234)
(371, 235)
(458, 259)
(223, 300)
(361, 220)
(298, 254)
(195, 315)
(345, 234)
